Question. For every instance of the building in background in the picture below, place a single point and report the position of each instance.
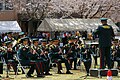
(7, 10)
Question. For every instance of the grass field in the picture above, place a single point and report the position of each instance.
(77, 75)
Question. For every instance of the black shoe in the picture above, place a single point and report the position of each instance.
(48, 74)
(19, 70)
(42, 76)
(68, 72)
(54, 65)
(28, 76)
(59, 72)
(87, 74)
(50, 66)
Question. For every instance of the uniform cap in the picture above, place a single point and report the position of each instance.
(44, 40)
(9, 33)
(21, 33)
(24, 38)
(116, 40)
(50, 40)
(55, 39)
(35, 39)
(103, 19)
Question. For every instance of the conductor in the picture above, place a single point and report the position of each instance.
(105, 34)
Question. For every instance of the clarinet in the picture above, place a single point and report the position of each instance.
(33, 48)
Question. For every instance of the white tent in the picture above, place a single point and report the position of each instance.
(9, 26)
(71, 24)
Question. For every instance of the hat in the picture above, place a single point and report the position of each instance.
(103, 19)
(24, 38)
(35, 39)
(8, 42)
(115, 40)
(21, 33)
(50, 40)
(44, 40)
(9, 33)
(55, 39)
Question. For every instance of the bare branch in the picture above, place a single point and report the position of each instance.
(106, 11)
(96, 12)
(90, 10)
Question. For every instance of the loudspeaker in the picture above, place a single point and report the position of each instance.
(1, 68)
(102, 72)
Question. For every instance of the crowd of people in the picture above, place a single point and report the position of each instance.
(42, 54)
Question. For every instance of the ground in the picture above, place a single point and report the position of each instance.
(77, 75)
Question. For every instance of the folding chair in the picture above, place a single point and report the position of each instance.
(20, 65)
(53, 63)
(3, 61)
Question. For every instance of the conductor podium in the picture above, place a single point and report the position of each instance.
(102, 72)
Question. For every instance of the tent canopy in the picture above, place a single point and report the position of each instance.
(9, 26)
(71, 24)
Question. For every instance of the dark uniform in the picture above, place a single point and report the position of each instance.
(43, 55)
(116, 55)
(48, 48)
(9, 56)
(93, 49)
(105, 34)
(56, 57)
(2, 52)
(71, 54)
(25, 56)
(9, 37)
(86, 58)
(114, 49)
(21, 35)
(36, 54)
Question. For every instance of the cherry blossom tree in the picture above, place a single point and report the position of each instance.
(40, 9)
(86, 8)
(32, 9)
